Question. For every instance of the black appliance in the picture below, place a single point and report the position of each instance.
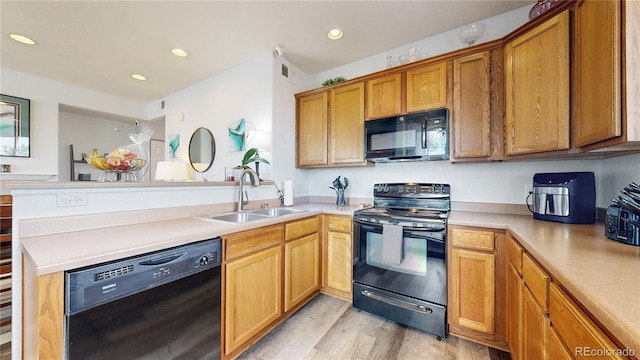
(160, 305)
(622, 221)
(414, 137)
(565, 197)
(401, 268)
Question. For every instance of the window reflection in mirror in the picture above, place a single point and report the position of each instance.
(202, 150)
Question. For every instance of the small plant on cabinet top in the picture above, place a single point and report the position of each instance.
(333, 81)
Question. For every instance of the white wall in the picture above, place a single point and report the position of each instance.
(496, 28)
(45, 96)
(617, 173)
(89, 132)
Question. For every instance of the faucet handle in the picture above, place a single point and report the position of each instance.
(265, 206)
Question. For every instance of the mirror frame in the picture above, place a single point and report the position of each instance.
(213, 148)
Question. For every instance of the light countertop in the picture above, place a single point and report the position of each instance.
(601, 274)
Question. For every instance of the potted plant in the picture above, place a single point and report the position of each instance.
(252, 156)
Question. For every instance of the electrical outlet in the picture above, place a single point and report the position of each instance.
(75, 199)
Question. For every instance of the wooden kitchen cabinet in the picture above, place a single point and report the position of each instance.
(537, 89)
(338, 256)
(301, 261)
(426, 88)
(346, 132)
(384, 96)
(252, 283)
(574, 327)
(514, 298)
(597, 65)
(330, 128)
(535, 328)
(312, 130)
(477, 285)
(477, 116)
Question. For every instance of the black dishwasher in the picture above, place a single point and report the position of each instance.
(160, 305)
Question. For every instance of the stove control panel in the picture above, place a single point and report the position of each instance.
(410, 189)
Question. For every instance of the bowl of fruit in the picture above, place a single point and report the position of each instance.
(118, 164)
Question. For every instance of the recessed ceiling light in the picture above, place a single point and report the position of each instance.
(179, 52)
(139, 77)
(334, 34)
(23, 39)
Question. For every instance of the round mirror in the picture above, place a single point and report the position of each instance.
(202, 149)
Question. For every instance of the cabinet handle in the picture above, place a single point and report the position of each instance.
(396, 302)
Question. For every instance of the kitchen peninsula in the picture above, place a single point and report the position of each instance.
(567, 252)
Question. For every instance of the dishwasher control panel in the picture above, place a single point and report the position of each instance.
(97, 284)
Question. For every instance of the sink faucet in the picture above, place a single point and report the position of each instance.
(255, 182)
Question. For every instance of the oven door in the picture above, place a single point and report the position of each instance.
(422, 272)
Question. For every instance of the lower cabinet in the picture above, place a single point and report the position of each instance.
(544, 323)
(338, 256)
(476, 291)
(252, 297)
(301, 261)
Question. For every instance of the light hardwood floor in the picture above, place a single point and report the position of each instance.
(329, 328)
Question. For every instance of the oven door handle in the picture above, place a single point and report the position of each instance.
(400, 303)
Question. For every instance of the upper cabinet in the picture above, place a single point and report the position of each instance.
(477, 115)
(427, 87)
(312, 130)
(537, 88)
(384, 96)
(330, 128)
(597, 72)
(346, 132)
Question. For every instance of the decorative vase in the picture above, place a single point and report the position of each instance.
(341, 200)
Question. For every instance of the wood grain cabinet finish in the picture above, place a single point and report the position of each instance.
(384, 96)
(557, 349)
(252, 296)
(473, 287)
(471, 96)
(477, 281)
(514, 312)
(426, 88)
(597, 67)
(535, 329)
(575, 328)
(536, 280)
(302, 267)
(537, 89)
(338, 259)
(346, 132)
(312, 130)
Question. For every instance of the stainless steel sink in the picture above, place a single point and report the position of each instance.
(272, 212)
(238, 217)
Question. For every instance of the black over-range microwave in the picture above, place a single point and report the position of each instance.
(412, 137)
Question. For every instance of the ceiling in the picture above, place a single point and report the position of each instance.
(99, 44)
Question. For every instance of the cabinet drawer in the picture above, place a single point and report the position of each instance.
(339, 223)
(576, 330)
(514, 253)
(246, 242)
(297, 229)
(536, 280)
(472, 239)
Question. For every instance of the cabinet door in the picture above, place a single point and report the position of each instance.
(302, 269)
(471, 96)
(557, 349)
(312, 130)
(339, 261)
(347, 125)
(537, 89)
(597, 71)
(252, 295)
(535, 327)
(472, 300)
(514, 313)
(384, 96)
(427, 87)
